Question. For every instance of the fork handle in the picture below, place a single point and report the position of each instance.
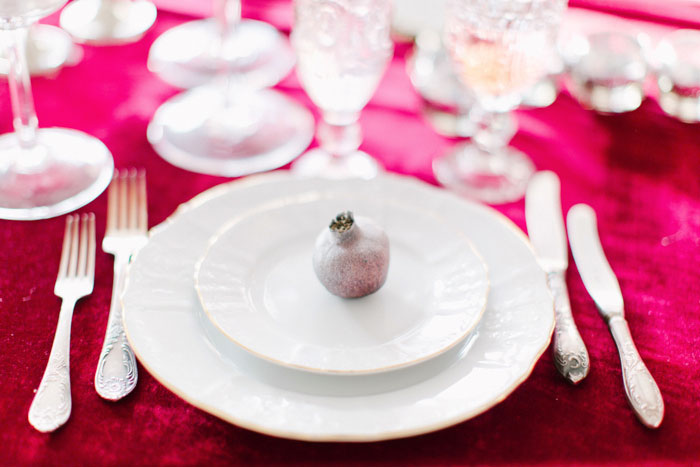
(116, 373)
(52, 403)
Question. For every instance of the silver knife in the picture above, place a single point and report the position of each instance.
(642, 392)
(545, 226)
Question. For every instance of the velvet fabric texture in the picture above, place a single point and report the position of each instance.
(639, 171)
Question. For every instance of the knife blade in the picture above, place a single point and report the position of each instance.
(599, 279)
(545, 226)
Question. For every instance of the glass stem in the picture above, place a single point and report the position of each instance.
(107, 3)
(24, 116)
(339, 135)
(227, 14)
(106, 9)
(493, 130)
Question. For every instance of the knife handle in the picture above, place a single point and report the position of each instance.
(569, 351)
(642, 392)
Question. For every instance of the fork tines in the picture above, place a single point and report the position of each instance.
(78, 253)
(126, 202)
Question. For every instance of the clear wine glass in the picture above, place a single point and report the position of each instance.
(108, 22)
(228, 127)
(499, 48)
(195, 52)
(343, 48)
(49, 171)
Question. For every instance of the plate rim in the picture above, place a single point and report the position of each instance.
(258, 179)
(299, 198)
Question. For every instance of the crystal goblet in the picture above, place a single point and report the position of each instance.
(44, 172)
(499, 48)
(343, 48)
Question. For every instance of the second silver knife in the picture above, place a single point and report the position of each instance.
(599, 279)
(545, 227)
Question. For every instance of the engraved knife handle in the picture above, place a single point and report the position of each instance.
(569, 351)
(52, 403)
(116, 373)
(642, 392)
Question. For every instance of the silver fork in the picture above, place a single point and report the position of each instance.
(52, 403)
(127, 224)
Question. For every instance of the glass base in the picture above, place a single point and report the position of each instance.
(199, 131)
(48, 49)
(542, 94)
(192, 54)
(496, 178)
(64, 171)
(104, 22)
(319, 163)
(608, 99)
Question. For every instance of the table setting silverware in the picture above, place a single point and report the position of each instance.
(127, 227)
(52, 404)
(599, 279)
(545, 227)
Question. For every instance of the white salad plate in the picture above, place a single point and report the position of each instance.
(256, 283)
(181, 348)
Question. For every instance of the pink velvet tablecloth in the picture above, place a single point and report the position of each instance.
(640, 171)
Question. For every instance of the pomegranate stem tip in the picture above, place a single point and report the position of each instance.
(342, 222)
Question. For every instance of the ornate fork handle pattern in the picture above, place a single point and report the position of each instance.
(52, 403)
(117, 373)
(569, 351)
(642, 391)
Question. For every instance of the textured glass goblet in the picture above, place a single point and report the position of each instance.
(499, 48)
(343, 48)
(49, 171)
(108, 22)
(195, 52)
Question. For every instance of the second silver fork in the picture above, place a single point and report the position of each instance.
(127, 225)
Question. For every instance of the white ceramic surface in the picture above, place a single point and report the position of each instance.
(178, 345)
(411, 17)
(257, 285)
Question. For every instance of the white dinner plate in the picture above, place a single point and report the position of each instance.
(257, 285)
(185, 352)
